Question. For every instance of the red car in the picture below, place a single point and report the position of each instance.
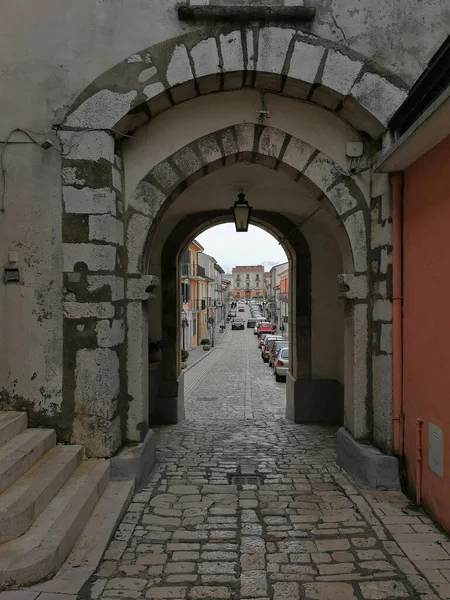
(265, 327)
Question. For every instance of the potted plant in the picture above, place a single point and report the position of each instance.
(154, 350)
(206, 343)
(184, 357)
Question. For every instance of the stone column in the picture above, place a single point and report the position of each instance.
(94, 399)
(381, 267)
(139, 291)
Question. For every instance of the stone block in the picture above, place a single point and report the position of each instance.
(165, 176)
(187, 161)
(89, 201)
(137, 233)
(179, 69)
(382, 310)
(386, 338)
(69, 176)
(353, 287)
(232, 52)
(95, 257)
(147, 199)
(153, 90)
(115, 284)
(110, 333)
(245, 135)
(228, 143)
(379, 96)
(314, 401)
(305, 62)
(340, 72)
(322, 171)
(137, 370)
(106, 228)
(135, 462)
(102, 110)
(209, 149)
(169, 408)
(382, 399)
(273, 47)
(297, 154)
(366, 464)
(116, 179)
(342, 198)
(97, 383)
(271, 142)
(88, 310)
(381, 234)
(206, 58)
(356, 230)
(141, 287)
(87, 145)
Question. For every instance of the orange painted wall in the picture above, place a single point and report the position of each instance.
(426, 314)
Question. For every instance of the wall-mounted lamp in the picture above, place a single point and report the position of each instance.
(241, 213)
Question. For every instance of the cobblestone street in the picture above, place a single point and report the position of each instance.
(304, 532)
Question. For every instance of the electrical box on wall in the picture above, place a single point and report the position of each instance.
(436, 449)
(354, 149)
(12, 275)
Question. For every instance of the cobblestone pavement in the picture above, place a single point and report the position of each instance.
(306, 532)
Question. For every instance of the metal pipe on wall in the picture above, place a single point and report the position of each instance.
(397, 311)
(419, 457)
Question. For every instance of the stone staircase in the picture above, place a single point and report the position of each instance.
(58, 510)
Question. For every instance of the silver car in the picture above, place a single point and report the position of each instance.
(281, 365)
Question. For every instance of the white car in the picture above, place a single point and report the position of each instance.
(281, 364)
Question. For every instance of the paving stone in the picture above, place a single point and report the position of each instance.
(253, 584)
(379, 590)
(329, 591)
(307, 533)
(209, 593)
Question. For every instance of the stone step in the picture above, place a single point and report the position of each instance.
(92, 543)
(42, 550)
(24, 501)
(11, 424)
(19, 454)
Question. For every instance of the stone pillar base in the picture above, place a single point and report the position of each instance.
(169, 408)
(314, 401)
(368, 466)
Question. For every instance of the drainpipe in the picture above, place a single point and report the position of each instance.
(397, 310)
(419, 423)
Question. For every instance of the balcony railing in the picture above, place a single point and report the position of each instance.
(284, 297)
(197, 304)
(190, 270)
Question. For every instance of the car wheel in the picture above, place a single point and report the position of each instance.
(277, 377)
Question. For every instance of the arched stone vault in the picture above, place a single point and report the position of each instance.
(105, 240)
(280, 59)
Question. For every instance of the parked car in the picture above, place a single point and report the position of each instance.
(232, 313)
(262, 339)
(265, 327)
(251, 323)
(265, 347)
(281, 367)
(237, 323)
(274, 347)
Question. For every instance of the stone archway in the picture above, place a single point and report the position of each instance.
(103, 276)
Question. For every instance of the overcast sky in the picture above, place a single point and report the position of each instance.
(229, 248)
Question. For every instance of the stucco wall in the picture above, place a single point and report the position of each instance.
(426, 317)
(31, 312)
